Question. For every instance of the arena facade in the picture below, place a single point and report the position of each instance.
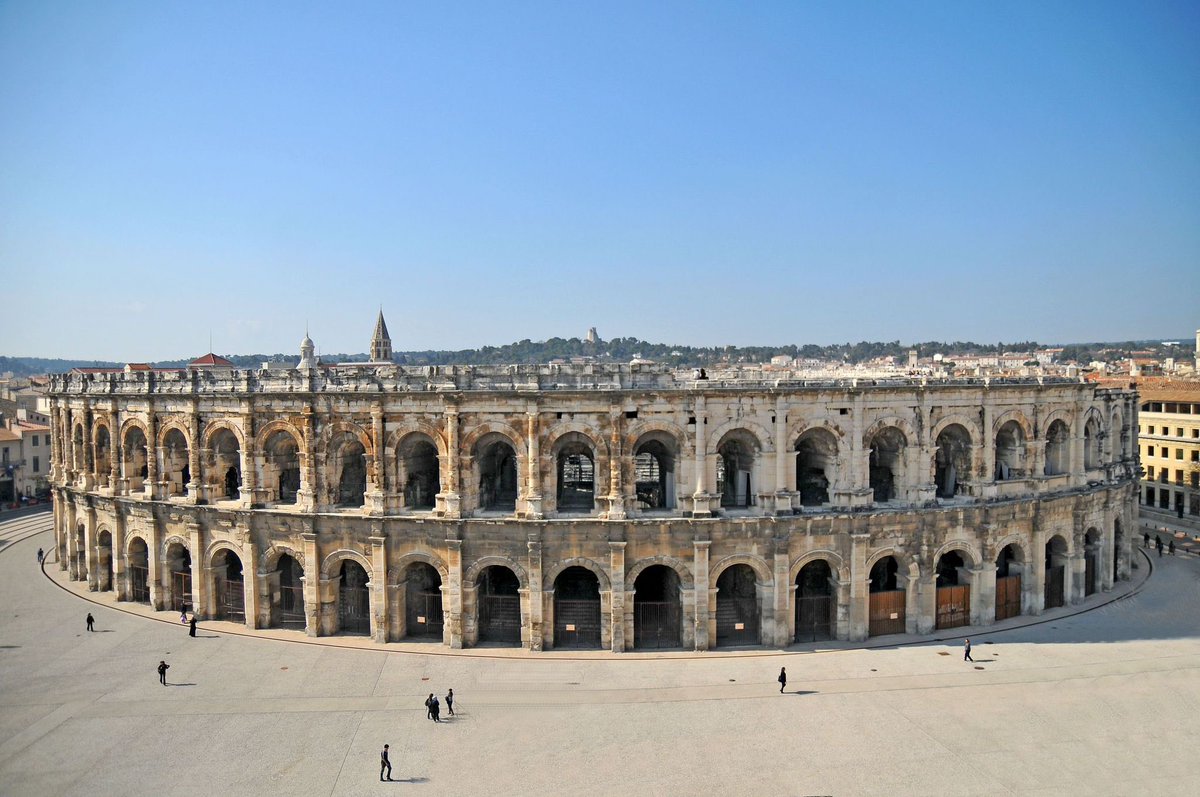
(623, 507)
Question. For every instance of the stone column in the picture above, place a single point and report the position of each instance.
(616, 567)
(987, 468)
(152, 454)
(306, 497)
(983, 593)
(379, 576)
(452, 597)
(920, 603)
(55, 445)
(1077, 470)
(251, 579)
(533, 468)
(114, 455)
(250, 492)
(312, 585)
(373, 500)
(91, 553)
(854, 623)
(784, 626)
(200, 572)
(449, 502)
(89, 447)
(700, 503)
(783, 500)
(703, 620)
(616, 491)
(118, 555)
(158, 597)
(194, 487)
(535, 629)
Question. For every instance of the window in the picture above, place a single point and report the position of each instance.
(47, 439)
(1195, 479)
(1179, 477)
(35, 464)
(1196, 455)
(5, 456)
(1179, 432)
(1179, 453)
(35, 441)
(1150, 473)
(1196, 433)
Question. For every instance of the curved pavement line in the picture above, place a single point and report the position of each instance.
(631, 656)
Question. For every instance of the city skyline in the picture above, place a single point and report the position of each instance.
(703, 176)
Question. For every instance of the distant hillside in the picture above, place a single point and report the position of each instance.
(625, 349)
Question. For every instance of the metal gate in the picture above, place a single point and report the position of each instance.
(231, 600)
(423, 614)
(887, 612)
(1089, 573)
(291, 607)
(814, 617)
(181, 589)
(354, 611)
(953, 606)
(139, 584)
(577, 623)
(1008, 597)
(500, 619)
(1055, 580)
(656, 624)
(737, 620)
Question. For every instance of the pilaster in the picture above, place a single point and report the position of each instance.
(616, 568)
(703, 620)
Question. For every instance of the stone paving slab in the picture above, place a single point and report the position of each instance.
(1104, 702)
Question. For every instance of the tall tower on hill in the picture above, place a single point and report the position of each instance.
(381, 343)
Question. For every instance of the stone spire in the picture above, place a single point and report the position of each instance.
(307, 360)
(381, 343)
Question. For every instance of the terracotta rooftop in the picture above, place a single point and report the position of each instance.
(211, 359)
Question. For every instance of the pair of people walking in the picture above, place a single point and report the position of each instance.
(433, 707)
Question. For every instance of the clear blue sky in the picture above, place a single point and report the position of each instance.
(699, 173)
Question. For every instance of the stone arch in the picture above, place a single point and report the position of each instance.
(1067, 541)
(763, 439)
(656, 453)
(760, 568)
(1018, 542)
(1057, 438)
(331, 563)
(267, 430)
(134, 423)
(400, 567)
(594, 435)
(479, 565)
(738, 460)
(596, 569)
(214, 426)
(407, 428)
(331, 430)
(801, 426)
(471, 440)
(971, 425)
(578, 465)
(171, 540)
(173, 424)
(960, 546)
(837, 564)
(270, 559)
(410, 471)
(1064, 415)
(879, 424)
(217, 545)
(953, 458)
(817, 452)
(904, 559)
(98, 423)
(683, 571)
(136, 536)
(641, 428)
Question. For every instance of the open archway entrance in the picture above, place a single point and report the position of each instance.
(498, 605)
(287, 604)
(177, 469)
(886, 463)
(654, 473)
(953, 591)
(576, 609)
(103, 454)
(1008, 582)
(135, 461)
(1091, 560)
(497, 476)
(354, 600)
(281, 467)
(816, 608)
(418, 472)
(737, 606)
(1010, 452)
(886, 609)
(735, 466)
(139, 571)
(1057, 449)
(179, 565)
(225, 480)
(81, 552)
(104, 563)
(1056, 572)
(229, 586)
(657, 613)
(816, 466)
(952, 460)
(350, 464)
(423, 601)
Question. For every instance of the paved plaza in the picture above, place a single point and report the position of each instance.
(1101, 702)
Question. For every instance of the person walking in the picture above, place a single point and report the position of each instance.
(183, 616)
(782, 679)
(436, 709)
(450, 702)
(384, 764)
(1146, 540)
(192, 626)
(91, 621)
(967, 651)
(162, 672)
(1171, 547)
(1158, 545)
(41, 554)
(429, 707)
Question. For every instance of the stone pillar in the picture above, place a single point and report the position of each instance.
(201, 574)
(114, 456)
(250, 492)
(312, 585)
(700, 503)
(449, 502)
(783, 629)
(783, 500)
(91, 553)
(195, 462)
(854, 624)
(704, 618)
(1078, 474)
(89, 447)
(118, 555)
(920, 603)
(1035, 456)
(152, 454)
(535, 630)
(983, 593)
(616, 567)
(379, 576)
(306, 496)
(55, 443)
(373, 499)
(616, 497)
(452, 595)
(987, 468)
(158, 597)
(251, 580)
(533, 468)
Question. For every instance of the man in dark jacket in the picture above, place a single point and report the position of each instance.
(162, 672)
(385, 764)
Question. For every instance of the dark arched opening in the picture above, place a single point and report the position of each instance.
(952, 460)
(1091, 560)
(886, 463)
(135, 462)
(179, 565)
(953, 591)
(354, 599)
(735, 467)
(886, 600)
(654, 475)
(577, 609)
(139, 571)
(657, 615)
(1056, 573)
(419, 472)
(498, 606)
(1009, 570)
(816, 609)
(177, 470)
(352, 472)
(816, 466)
(226, 478)
(737, 606)
(576, 470)
(1057, 454)
(229, 586)
(104, 563)
(1010, 452)
(287, 610)
(498, 477)
(423, 601)
(281, 467)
